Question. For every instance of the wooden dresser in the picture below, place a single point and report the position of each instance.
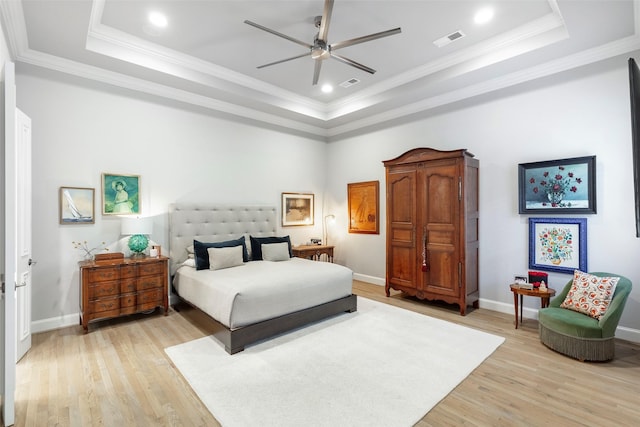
(119, 286)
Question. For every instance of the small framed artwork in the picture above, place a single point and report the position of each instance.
(566, 186)
(363, 201)
(77, 205)
(297, 209)
(120, 194)
(557, 244)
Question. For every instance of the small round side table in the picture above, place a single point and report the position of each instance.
(543, 295)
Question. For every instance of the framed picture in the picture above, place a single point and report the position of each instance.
(297, 209)
(566, 186)
(77, 205)
(557, 244)
(363, 207)
(120, 194)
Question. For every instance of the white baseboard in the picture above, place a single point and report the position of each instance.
(55, 323)
(622, 332)
(368, 279)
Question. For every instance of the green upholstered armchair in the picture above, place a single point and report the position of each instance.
(578, 335)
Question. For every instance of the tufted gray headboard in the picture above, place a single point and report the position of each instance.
(215, 223)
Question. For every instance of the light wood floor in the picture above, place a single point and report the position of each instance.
(119, 375)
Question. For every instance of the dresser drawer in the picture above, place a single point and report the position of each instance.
(104, 274)
(127, 271)
(151, 269)
(102, 289)
(128, 285)
(149, 299)
(128, 304)
(149, 282)
(102, 305)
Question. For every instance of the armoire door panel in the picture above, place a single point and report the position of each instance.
(442, 197)
(402, 197)
(401, 270)
(400, 234)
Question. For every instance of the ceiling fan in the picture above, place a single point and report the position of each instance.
(321, 49)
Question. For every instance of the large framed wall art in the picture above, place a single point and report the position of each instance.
(566, 186)
(120, 194)
(297, 209)
(558, 244)
(363, 200)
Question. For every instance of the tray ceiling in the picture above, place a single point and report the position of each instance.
(207, 56)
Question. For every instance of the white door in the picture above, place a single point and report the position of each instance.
(8, 227)
(23, 287)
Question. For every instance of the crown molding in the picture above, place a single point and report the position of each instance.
(120, 80)
(586, 57)
(542, 32)
(15, 27)
(547, 29)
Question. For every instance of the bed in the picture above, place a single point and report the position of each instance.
(254, 300)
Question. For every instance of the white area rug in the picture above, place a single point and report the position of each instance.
(379, 366)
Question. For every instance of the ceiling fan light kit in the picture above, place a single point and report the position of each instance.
(320, 49)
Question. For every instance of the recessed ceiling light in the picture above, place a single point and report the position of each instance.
(327, 88)
(483, 15)
(158, 19)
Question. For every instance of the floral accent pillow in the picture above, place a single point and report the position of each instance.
(590, 294)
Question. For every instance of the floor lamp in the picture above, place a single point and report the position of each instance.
(332, 219)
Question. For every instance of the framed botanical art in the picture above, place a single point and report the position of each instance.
(557, 244)
(120, 194)
(566, 186)
(363, 200)
(77, 205)
(297, 209)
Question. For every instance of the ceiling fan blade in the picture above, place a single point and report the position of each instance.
(275, 33)
(316, 71)
(352, 63)
(326, 20)
(351, 42)
(283, 60)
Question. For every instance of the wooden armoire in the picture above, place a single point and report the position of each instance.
(432, 226)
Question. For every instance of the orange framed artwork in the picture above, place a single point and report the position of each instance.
(363, 198)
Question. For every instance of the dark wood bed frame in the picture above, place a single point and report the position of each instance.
(235, 340)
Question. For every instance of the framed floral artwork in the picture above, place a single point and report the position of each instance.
(566, 186)
(120, 194)
(363, 200)
(557, 244)
(297, 209)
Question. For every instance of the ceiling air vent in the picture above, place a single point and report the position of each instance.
(349, 82)
(443, 41)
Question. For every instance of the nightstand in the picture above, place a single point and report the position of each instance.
(119, 286)
(313, 252)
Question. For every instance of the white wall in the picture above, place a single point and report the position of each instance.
(579, 113)
(81, 130)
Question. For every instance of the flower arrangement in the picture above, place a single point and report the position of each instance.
(555, 186)
(89, 253)
(556, 244)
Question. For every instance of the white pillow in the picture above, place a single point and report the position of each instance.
(189, 262)
(220, 258)
(275, 251)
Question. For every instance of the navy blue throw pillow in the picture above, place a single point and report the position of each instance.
(256, 245)
(202, 256)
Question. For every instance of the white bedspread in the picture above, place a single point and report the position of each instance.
(261, 290)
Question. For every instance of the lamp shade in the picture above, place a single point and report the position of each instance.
(130, 226)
